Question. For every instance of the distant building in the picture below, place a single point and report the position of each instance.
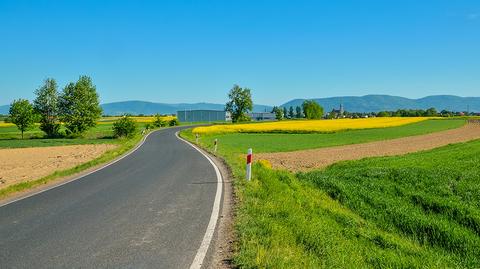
(337, 113)
(262, 116)
(203, 115)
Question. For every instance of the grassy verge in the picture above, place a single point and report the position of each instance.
(124, 145)
(415, 211)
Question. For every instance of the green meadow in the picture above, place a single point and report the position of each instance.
(420, 210)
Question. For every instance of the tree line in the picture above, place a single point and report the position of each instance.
(77, 106)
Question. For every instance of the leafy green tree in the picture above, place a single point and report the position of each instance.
(285, 113)
(291, 114)
(312, 109)
(46, 105)
(22, 114)
(298, 112)
(240, 103)
(278, 113)
(431, 112)
(383, 114)
(124, 127)
(79, 106)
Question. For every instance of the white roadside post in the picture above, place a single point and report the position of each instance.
(249, 164)
(215, 144)
(196, 138)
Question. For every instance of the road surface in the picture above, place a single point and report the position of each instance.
(149, 210)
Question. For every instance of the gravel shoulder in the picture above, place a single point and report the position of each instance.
(311, 159)
(24, 164)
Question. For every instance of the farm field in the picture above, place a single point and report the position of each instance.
(388, 212)
(278, 142)
(100, 134)
(25, 164)
(309, 126)
(62, 156)
(319, 158)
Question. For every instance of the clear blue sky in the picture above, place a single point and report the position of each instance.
(192, 51)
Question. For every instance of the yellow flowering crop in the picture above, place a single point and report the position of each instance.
(6, 124)
(308, 126)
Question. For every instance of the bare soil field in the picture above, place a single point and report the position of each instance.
(305, 160)
(25, 164)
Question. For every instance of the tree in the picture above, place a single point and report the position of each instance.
(291, 114)
(46, 105)
(239, 104)
(431, 112)
(79, 106)
(285, 113)
(278, 112)
(312, 109)
(124, 127)
(22, 114)
(298, 113)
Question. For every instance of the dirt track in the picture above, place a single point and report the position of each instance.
(24, 164)
(305, 160)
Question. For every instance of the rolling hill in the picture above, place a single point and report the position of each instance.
(367, 103)
(375, 103)
(149, 108)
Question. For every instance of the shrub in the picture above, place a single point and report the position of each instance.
(159, 122)
(124, 127)
(173, 122)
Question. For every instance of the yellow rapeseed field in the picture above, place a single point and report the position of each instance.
(308, 126)
(5, 124)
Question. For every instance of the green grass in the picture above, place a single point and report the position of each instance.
(10, 137)
(420, 210)
(291, 142)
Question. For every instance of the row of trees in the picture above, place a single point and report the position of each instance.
(77, 106)
(309, 110)
(240, 102)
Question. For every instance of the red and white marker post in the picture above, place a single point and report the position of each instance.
(249, 164)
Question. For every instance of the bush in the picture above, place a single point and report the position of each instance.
(124, 127)
(159, 122)
(173, 122)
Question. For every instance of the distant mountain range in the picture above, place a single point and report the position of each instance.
(375, 103)
(150, 108)
(367, 103)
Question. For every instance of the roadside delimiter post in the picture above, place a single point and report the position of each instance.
(215, 144)
(249, 164)
(196, 138)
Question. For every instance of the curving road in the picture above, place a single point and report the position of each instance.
(149, 210)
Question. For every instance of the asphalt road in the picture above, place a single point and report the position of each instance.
(148, 210)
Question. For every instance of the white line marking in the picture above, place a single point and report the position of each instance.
(207, 238)
(73, 179)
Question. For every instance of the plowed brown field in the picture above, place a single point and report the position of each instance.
(24, 164)
(305, 160)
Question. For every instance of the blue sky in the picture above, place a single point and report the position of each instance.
(193, 51)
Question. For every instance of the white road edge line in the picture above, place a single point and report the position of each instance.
(76, 178)
(207, 238)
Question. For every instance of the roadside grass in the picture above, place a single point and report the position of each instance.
(419, 210)
(124, 145)
(290, 142)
